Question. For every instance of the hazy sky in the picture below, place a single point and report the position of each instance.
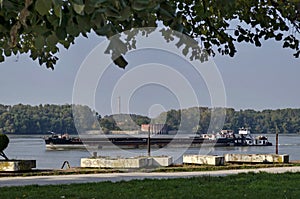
(256, 78)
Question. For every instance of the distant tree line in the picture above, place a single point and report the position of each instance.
(266, 121)
(41, 119)
(128, 122)
(36, 119)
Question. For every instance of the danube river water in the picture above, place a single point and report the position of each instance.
(33, 147)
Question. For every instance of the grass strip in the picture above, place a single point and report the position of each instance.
(260, 185)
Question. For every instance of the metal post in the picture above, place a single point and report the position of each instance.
(276, 150)
(148, 142)
(119, 104)
(94, 154)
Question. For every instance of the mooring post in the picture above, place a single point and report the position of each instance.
(148, 142)
(276, 150)
(95, 154)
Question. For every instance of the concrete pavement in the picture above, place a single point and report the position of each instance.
(115, 177)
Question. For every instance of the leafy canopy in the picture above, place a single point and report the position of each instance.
(39, 27)
(4, 140)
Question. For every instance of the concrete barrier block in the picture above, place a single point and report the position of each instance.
(17, 165)
(203, 159)
(105, 162)
(135, 162)
(162, 161)
(256, 158)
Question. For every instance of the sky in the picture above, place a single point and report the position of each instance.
(256, 78)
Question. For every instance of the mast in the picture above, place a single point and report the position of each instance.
(119, 105)
(276, 149)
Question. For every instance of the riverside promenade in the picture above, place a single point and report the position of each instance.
(115, 177)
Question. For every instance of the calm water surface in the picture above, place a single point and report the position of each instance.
(33, 147)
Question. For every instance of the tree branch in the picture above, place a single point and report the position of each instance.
(3, 155)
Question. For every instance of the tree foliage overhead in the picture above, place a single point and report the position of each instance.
(39, 27)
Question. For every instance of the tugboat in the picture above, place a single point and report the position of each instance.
(244, 138)
(56, 141)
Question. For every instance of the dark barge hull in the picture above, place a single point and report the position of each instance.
(133, 142)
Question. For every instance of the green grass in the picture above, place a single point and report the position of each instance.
(186, 167)
(261, 185)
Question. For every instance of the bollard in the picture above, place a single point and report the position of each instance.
(94, 154)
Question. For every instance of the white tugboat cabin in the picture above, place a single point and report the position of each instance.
(244, 138)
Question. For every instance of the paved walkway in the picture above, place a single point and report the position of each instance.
(114, 177)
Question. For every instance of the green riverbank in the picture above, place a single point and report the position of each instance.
(261, 185)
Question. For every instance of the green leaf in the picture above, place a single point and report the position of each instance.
(279, 37)
(79, 2)
(89, 9)
(257, 42)
(125, 13)
(121, 62)
(103, 31)
(78, 8)
(61, 33)
(52, 40)
(57, 11)
(96, 3)
(236, 33)
(286, 44)
(1, 58)
(111, 12)
(39, 42)
(166, 13)
(118, 45)
(207, 45)
(185, 51)
(139, 5)
(43, 6)
(297, 54)
(7, 53)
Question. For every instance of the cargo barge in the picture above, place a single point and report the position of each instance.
(65, 141)
(224, 138)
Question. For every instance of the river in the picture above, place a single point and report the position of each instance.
(33, 147)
